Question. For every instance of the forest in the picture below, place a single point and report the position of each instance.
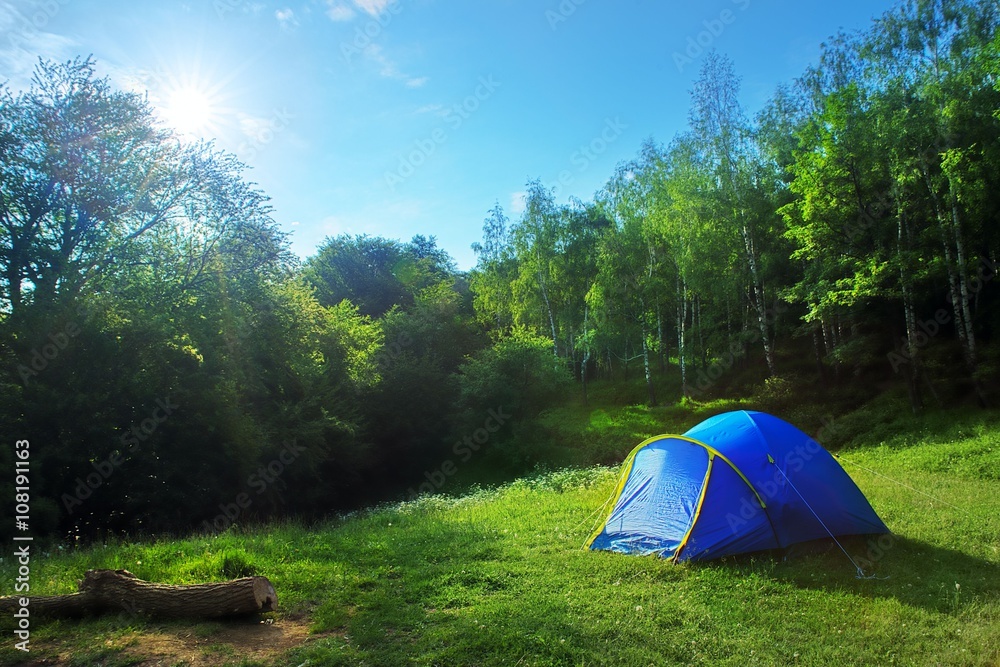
(177, 368)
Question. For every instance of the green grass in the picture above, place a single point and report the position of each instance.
(499, 577)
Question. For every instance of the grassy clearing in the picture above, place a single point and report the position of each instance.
(499, 577)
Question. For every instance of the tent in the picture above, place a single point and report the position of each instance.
(738, 482)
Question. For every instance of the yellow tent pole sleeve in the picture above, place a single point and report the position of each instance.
(697, 511)
(627, 470)
(713, 450)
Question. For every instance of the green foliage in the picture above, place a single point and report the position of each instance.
(776, 395)
(851, 209)
(518, 373)
(146, 268)
(375, 273)
(506, 387)
(839, 242)
(490, 281)
(194, 362)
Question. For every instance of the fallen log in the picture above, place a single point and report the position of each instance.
(109, 591)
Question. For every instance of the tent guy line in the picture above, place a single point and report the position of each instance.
(906, 486)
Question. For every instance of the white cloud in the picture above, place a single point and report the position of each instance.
(286, 17)
(436, 109)
(387, 67)
(371, 218)
(340, 12)
(347, 10)
(344, 10)
(373, 7)
(136, 80)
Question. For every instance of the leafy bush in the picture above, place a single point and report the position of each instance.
(519, 373)
(506, 388)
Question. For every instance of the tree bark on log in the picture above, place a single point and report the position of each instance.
(109, 591)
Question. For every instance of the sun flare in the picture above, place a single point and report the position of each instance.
(190, 111)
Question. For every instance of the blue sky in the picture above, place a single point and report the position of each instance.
(403, 117)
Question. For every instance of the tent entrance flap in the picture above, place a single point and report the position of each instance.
(657, 502)
(697, 511)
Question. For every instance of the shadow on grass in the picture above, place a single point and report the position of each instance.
(916, 573)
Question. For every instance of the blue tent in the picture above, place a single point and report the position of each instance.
(738, 482)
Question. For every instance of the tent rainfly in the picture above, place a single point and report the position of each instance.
(738, 482)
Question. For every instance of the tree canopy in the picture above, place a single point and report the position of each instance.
(180, 367)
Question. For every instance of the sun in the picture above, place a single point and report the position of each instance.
(190, 111)
(193, 97)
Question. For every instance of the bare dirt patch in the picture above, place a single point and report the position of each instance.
(203, 645)
(231, 643)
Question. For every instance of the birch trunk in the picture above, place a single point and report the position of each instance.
(758, 291)
(681, 325)
(659, 337)
(905, 284)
